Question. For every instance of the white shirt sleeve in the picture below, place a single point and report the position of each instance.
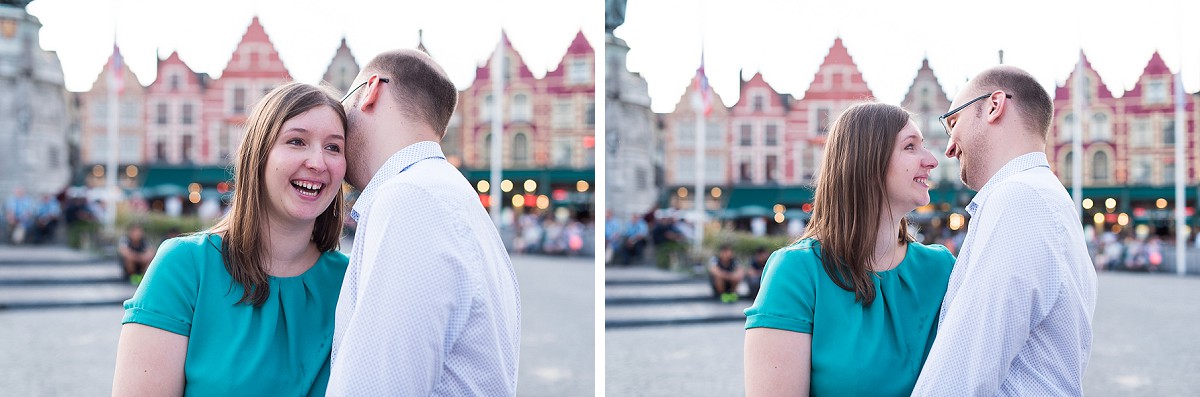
(997, 295)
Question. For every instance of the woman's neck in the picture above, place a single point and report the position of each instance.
(887, 252)
(290, 247)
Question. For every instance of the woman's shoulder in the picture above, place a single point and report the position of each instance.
(801, 254)
(935, 252)
(336, 258)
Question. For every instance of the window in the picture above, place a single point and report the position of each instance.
(1101, 129)
(161, 113)
(239, 100)
(589, 115)
(1068, 167)
(99, 112)
(685, 169)
(520, 149)
(1168, 132)
(1142, 166)
(1156, 91)
(485, 110)
(822, 121)
(772, 166)
(187, 149)
(485, 150)
(563, 152)
(1168, 174)
(642, 181)
(578, 71)
(130, 149)
(520, 110)
(186, 114)
(747, 138)
(685, 134)
(759, 103)
(772, 138)
(1069, 127)
(1100, 167)
(744, 171)
(562, 116)
(1140, 133)
(131, 113)
(160, 151)
(174, 82)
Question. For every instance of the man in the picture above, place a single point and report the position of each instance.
(46, 221)
(136, 254)
(1016, 318)
(724, 274)
(429, 305)
(19, 211)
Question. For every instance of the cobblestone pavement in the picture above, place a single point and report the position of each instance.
(60, 314)
(1144, 338)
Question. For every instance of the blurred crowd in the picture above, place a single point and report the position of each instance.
(545, 234)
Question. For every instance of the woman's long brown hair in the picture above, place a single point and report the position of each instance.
(244, 230)
(851, 194)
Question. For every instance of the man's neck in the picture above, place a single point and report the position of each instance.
(1006, 152)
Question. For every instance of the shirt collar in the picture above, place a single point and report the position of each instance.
(399, 161)
(1014, 166)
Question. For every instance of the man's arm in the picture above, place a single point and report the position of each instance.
(1006, 287)
(413, 299)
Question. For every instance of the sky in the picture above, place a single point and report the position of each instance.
(787, 40)
(460, 35)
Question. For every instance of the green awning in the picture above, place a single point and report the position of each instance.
(556, 176)
(174, 180)
(768, 196)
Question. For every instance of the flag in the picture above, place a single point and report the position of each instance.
(703, 91)
(116, 79)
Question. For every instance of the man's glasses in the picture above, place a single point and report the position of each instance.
(348, 94)
(946, 124)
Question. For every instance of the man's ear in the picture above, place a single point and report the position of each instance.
(374, 88)
(999, 102)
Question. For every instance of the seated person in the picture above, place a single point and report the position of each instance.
(725, 274)
(47, 220)
(754, 273)
(136, 254)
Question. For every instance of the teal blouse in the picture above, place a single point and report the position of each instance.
(856, 350)
(280, 348)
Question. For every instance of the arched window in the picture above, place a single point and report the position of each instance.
(1100, 167)
(520, 149)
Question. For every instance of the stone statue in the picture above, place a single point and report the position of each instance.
(614, 14)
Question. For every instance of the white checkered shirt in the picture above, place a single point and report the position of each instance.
(430, 305)
(1016, 319)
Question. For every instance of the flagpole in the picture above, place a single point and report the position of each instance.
(1180, 169)
(1077, 138)
(497, 75)
(701, 111)
(701, 136)
(110, 170)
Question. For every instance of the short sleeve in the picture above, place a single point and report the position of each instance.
(166, 298)
(788, 293)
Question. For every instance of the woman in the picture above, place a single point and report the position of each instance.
(851, 308)
(247, 307)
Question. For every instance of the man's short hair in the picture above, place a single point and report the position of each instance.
(420, 86)
(1030, 98)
